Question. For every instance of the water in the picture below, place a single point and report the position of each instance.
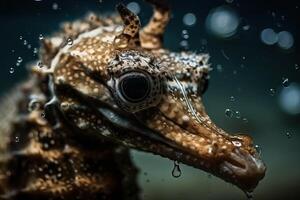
(255, 73)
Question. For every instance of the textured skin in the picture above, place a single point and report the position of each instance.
(73, 141)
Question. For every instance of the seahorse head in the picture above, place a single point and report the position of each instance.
(111, 83)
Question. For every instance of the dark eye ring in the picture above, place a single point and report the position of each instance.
(134, 87)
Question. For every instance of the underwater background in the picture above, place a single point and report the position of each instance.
(254, 86)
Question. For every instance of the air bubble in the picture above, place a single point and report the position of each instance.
(285, 82)
(54, 6)
(289, 99)
(272, 91)
(228, 113)
(258, 149)
(185, 34)
(222, 22)
(237, 114)
(184, 45)
(189, 19)
(285, 40)
(35, 50)
(268, 36)
(19, 60)
(232, 99)
(219, 68)
(21, 37)
(297, 67)
(41, 37)
(25, 42)
(17, 139)
(229, 1)
(246, 27)
(70, 41)
(176, 172)
(288, 135)
(134, 7)
(11, 70)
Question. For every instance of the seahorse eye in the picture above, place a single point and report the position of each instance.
(134, 87)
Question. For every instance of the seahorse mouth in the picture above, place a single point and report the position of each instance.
(244, 169)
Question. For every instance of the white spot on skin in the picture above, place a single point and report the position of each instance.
(237, 143)
(185, 118)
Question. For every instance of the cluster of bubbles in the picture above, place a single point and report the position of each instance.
(18, 63)
(284, 39)
(184, 44)
(234, 113)
(222, 22)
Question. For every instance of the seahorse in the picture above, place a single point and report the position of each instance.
(105, 85)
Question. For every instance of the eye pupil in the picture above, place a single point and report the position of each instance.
(134, 87)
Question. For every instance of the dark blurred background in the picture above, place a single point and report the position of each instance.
(254, 86)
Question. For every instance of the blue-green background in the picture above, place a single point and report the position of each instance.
(264, 67)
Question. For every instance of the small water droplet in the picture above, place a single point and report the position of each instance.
(285, 82)
(176, 172)
(70, 41)
(25, 42)
(297, 67)
(232, 99)
(288, 134)
(258, 149)
(41, 37)
(11, 70)
(35, 50)
(272, 91)
(237, 114)
(17, 139)
(184, 45)
(228, 113)
(19, 60)
(21, 37)
(185, 34)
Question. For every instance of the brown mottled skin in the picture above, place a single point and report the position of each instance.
(112, 88)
